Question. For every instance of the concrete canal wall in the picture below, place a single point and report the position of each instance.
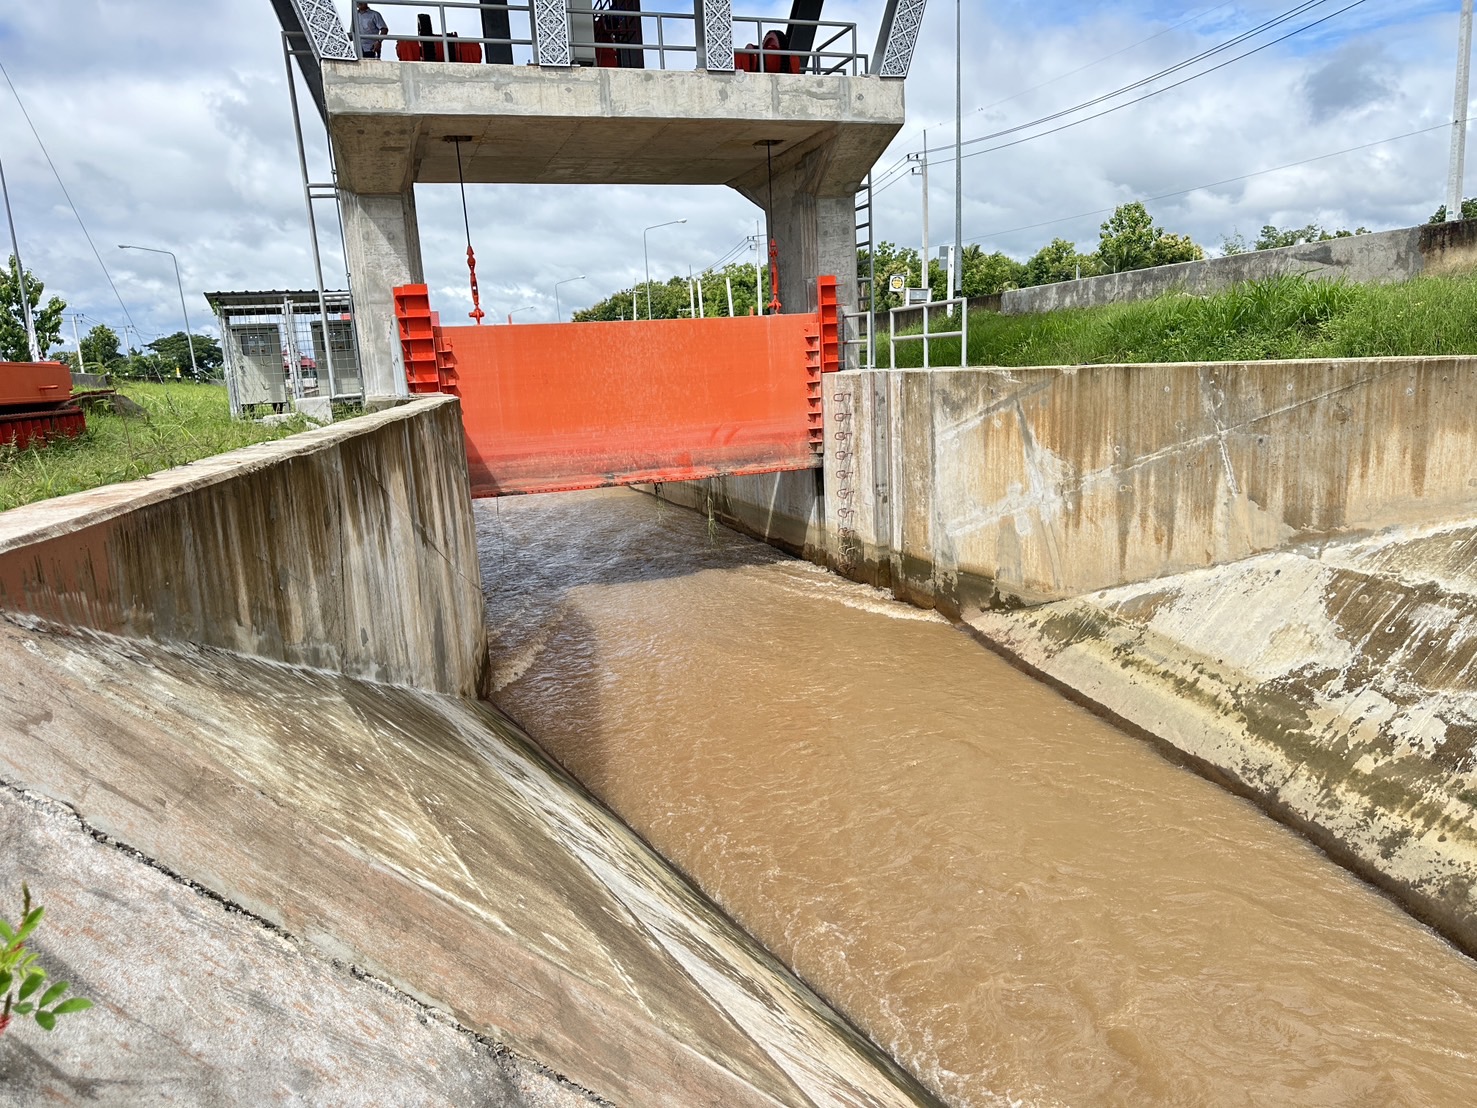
(350, 548)
(1264, 566)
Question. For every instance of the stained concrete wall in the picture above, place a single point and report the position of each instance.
(289, 551)
(1387, 256)
(985, 488)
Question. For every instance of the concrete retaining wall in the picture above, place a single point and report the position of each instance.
(1388, 256)
(350, 548)
(987, 488)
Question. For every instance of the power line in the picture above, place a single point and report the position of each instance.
(1217, 184)
(1203, 55)
(59, 181)
(1245, 36)
(1061, 77)
(1104, 58)
(1155, 92)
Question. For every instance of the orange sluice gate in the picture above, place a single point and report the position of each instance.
(556, 407)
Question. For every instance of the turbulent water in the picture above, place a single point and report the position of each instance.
(1022, 904)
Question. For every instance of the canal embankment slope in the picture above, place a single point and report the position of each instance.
(242, 768)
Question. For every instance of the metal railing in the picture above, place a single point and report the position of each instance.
(926, 336)
(861, 352)
(594, 37)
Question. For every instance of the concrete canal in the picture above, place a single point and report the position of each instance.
(1021, 903)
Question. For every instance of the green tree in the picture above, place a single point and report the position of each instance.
(100, 353)
(1130, 240)
(1469, 211)
(47, 320)
(1057, 261)
(1273, 237)
(987, 274)
(892, 260)
(672, 300)
(174, 354)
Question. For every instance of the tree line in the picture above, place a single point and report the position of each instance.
(101, 350)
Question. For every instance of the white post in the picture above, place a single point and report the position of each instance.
(728, 280)
(956, 268)
(20, 276)
(691, 296)
(923, 281)
(702, 310)
(1456, 176)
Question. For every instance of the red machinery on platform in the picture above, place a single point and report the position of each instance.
(36, 404)
(555, 407)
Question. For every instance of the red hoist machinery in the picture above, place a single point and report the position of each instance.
(36, 404)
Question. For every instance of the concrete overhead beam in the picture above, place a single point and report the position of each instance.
(534, 125)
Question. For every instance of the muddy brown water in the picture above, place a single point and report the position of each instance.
(1021, 903)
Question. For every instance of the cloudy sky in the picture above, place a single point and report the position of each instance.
(168, 123)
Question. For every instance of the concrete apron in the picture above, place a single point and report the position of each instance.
(384, 825)
(1263, 566)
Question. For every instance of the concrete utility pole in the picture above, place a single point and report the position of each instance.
(77, 337)
(728, 281)
(1456, 177)
(956, 280)
(922, 169)
(20, 275)
(758, 273)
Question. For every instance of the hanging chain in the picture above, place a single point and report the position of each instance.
(476, 314)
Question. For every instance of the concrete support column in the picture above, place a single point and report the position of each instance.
(814, 226)
(383, 243)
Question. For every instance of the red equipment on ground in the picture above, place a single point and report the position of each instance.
(36, 404)
(554, 407)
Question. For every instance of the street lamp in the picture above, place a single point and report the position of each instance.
(647, 255)
(194, 368)
(558, 311)
(515, 311)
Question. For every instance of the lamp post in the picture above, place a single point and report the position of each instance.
(515, 311)
(647, 255)
(558, 311)
(194, 368)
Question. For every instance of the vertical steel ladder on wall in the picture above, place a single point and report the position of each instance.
(865, 317)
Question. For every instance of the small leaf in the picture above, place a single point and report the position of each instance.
(7, 933)
(29, 923)
(46, 1020)
(76, 1004)
(5, 981)
(51, 994)
(31, 984)
(23, 1009)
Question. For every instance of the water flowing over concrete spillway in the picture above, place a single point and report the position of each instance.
(1021, 903)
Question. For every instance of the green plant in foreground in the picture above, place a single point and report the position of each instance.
(21, 977)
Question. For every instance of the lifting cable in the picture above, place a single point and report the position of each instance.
(476, 313)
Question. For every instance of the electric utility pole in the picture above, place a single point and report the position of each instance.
(957, 284)
(922, 169)
(1457, 173)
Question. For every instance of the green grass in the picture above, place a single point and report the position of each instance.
(1280, 317)
(183, 422)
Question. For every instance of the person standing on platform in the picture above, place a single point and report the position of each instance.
(369, 22)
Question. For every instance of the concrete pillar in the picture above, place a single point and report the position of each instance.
(383, 243)
(814, 226)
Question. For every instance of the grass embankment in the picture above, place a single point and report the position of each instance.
(1280, 317)
(182, 422)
